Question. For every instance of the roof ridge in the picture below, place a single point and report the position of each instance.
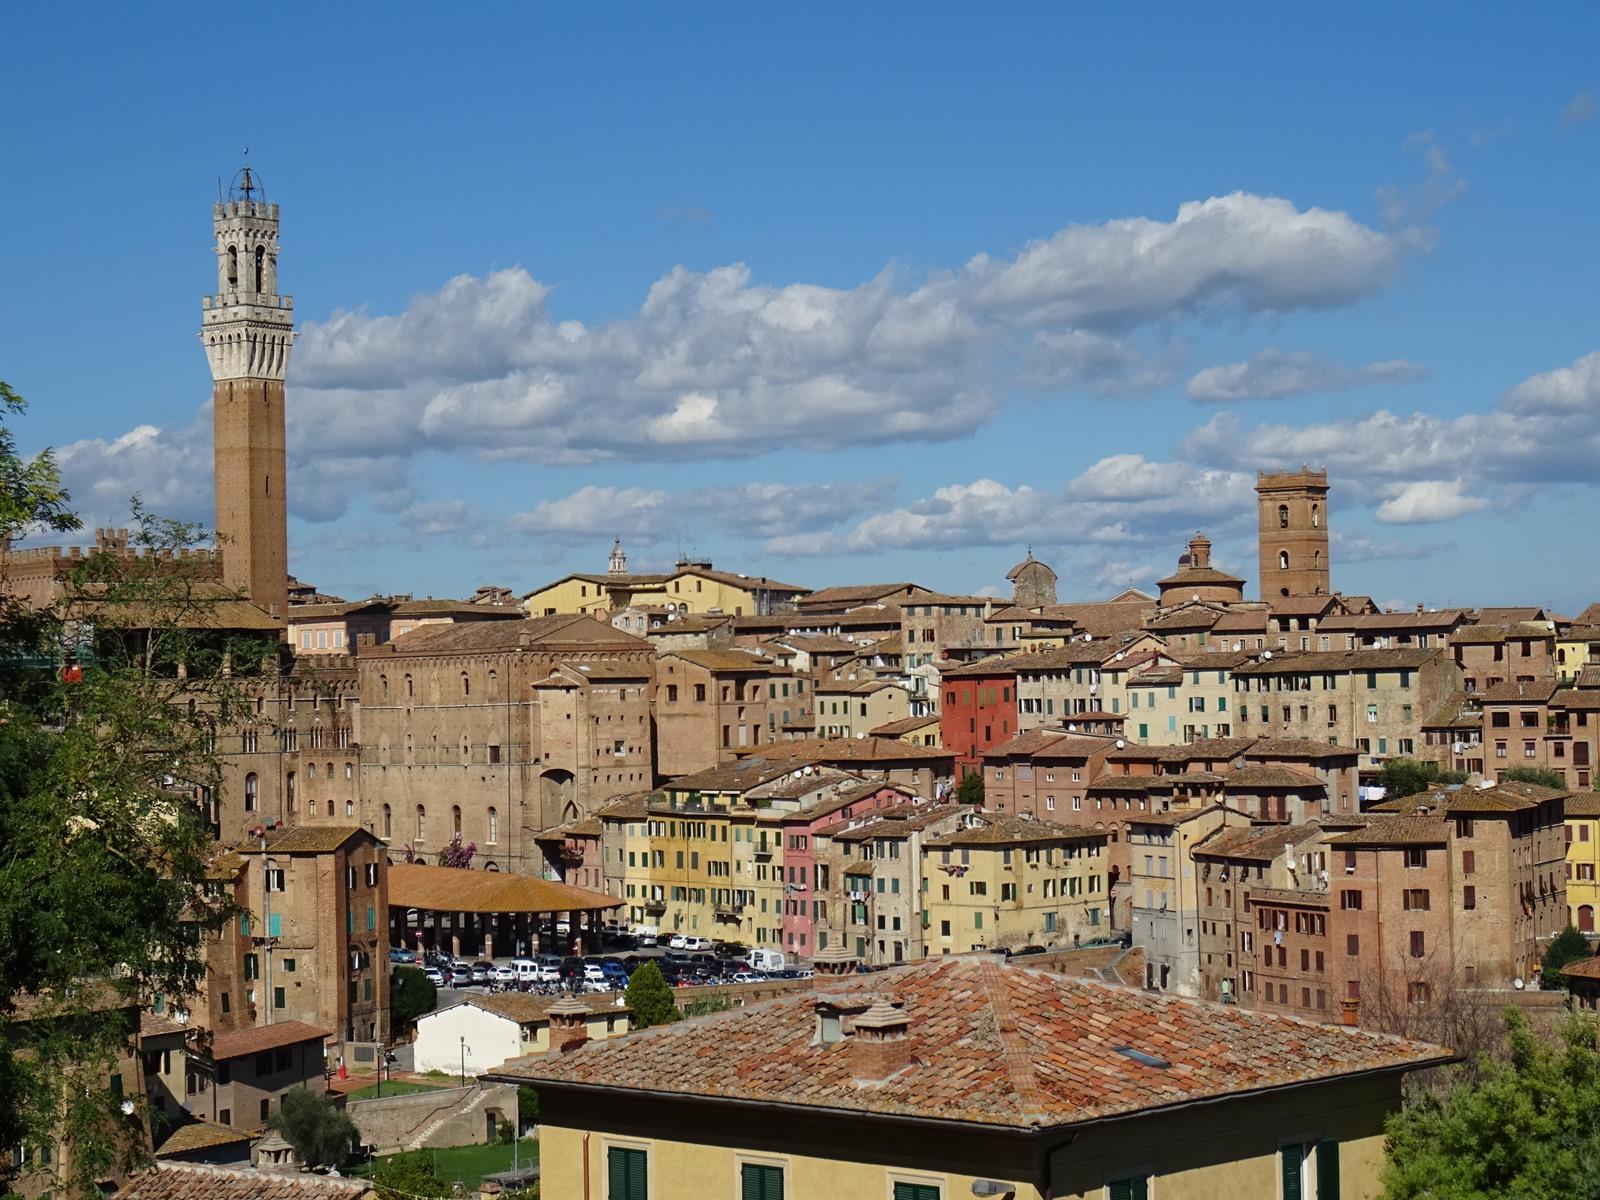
(1013, 1051)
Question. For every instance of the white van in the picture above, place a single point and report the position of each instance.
(765, 961)
(527, 970)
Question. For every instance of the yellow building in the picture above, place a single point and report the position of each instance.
(1005, 881)
(692, 586)
(1171, 703)
(1577, 647)
(1583, 859)
(913, 731)
(855, 709)
(964, 1076)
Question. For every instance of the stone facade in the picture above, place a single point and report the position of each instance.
(1293, 507)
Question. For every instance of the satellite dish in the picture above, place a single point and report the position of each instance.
(1088, 637)
(1121, 654)
(1121, 745)
(1518, 984)
(1196, 596)
(1266, 654)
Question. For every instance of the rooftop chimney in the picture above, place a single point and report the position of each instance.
(1350, 1012)
(880, 1044)
(569, 1024)
(832, 962)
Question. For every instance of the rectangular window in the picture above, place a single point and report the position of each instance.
(1135, 1187)
(758, 1181)
(916, 1191)
(626, 1174)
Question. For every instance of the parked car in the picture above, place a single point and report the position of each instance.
(765, 961)
(593, 974)
(746, 977)
(504, 973)
(730, 950)
(614, 969)
(481, 971)
(676, 941)
(571, 967)
(526, 969)
(460, 974)
(548, 972)
(435, 976)
(697, 943)
(646, 937)
(397, 955)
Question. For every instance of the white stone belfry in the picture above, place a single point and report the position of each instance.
(247, 327)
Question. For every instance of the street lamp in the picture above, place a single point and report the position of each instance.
(463, 1060)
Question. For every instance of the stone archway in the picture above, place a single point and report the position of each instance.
(557, 795)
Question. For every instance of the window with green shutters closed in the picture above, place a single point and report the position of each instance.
(760, 1182)
(916, 1191)
(625, 1174)
(1323, 1156)
(1136, 1187)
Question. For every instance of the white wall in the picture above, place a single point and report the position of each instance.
(491, 1040)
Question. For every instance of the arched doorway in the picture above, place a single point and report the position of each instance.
(1585, 918)
(557, 790)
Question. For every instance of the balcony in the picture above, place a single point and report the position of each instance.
(764, 849)
(655, 906)
(731, 913)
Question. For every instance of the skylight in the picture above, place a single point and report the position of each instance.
(1139, 1056)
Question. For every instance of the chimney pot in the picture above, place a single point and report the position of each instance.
(1350, 1012)
(569, 1024)
(880, 1044)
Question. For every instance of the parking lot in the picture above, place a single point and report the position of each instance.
(681, 968)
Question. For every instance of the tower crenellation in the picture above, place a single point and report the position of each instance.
(247, 329)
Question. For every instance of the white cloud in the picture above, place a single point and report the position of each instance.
(1440, 185)
(767, 510)
(1274, 374)
(169, 469)
(1428, 501)
(440, 518)
(1580, 108)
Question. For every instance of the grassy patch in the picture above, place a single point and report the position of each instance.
(469, 1164)
(392, 1087)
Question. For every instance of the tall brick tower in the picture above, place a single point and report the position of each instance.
(248, 329)
(1293, 533)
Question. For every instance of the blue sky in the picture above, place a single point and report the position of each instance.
(837, 293)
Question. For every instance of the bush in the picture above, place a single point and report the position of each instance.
(706, 1006)
(1538, 775)
(649, 999)
(322, 1135)
(410, 996)
(1406, 777)
(971, 789)
(1568, 946)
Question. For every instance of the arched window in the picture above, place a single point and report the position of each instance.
(261, 258)
(311, 770)
(1283, 560)
(383, 686)
(494, 685)
(422, 823)
(330, 807)
(349, 770)
(233, 265)
(455, 820)
(466, 685)
(388, 822)
(1316, 558)
(494, 825)
(251, 783)
(411, 689)
(288, 790)
(1283, 516)
(1316, 515)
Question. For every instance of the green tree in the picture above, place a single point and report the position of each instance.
(1525, 1129)
(1567, 946)
(707, 1005)
(1406, 777)
(971, 789)
(527, 1107)
(1542, 776)
(110, 705)
(322, 1135)
(649, 999)
(409, 1175)
(411, 994)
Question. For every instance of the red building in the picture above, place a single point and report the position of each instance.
(978, 711)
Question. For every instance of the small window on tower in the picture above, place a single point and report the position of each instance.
(1316, 515)
(1283, 560)
(1283, 516)
(233, 265)
(261, 258)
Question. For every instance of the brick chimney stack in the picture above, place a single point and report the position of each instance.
(1350, 1012)
(880, 1043)
(832, 963)
(569, 1024)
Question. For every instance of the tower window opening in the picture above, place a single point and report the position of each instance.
(233, 266)
(1316, 515)
(261, 258)
(1283, 560)
(1283, 516)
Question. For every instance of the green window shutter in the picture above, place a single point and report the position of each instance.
(1328, 1170)
(1291, 1161)
(1136, 1188)
(625, 1174)
(916, 1191)
(275, 925)
(760, 1182)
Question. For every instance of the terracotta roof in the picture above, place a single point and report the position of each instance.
(1395, 831)
(728, 660)
(1006, 829)
(1261, 895)
(1583, 968)
(1263, 775)
(1361, 622)
(1287, 747)
(1259, 843)
(201, 1135)
(451, 889)
(1316, 662)
(992, 1044)
(1197, 575)
(634, 806)
(1179, 816)
(1586, 698)
(1194, 616)
(587, 827)
(309, 839)
(1051, 743)
(1246, 621)
(1518, 693)
(489, 636)
(1208, 749)
(751, 583)
(857, 750)
(264, 1037)
(521, 1007)
(1513, 615)
(1303, 606)
(855, 593)
(1124, 783)
(899, 821)
(196, 1181)
(152, 1025)
(1589, 676)
(903, 726)
(1583, 804)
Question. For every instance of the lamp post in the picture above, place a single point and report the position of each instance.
(463, 1060)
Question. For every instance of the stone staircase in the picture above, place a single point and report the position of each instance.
(473, 1103)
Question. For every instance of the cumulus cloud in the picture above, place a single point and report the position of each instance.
(765, 510)
(1428, 501)
(1124, 499)
(440, 518)
(1274, 374)
(169, 469)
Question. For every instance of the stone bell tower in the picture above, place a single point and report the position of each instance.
(1293, 536)
(248, 329)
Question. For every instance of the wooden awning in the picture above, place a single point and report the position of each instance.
(451, 889)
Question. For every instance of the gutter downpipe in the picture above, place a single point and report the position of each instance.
(586, 1138)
